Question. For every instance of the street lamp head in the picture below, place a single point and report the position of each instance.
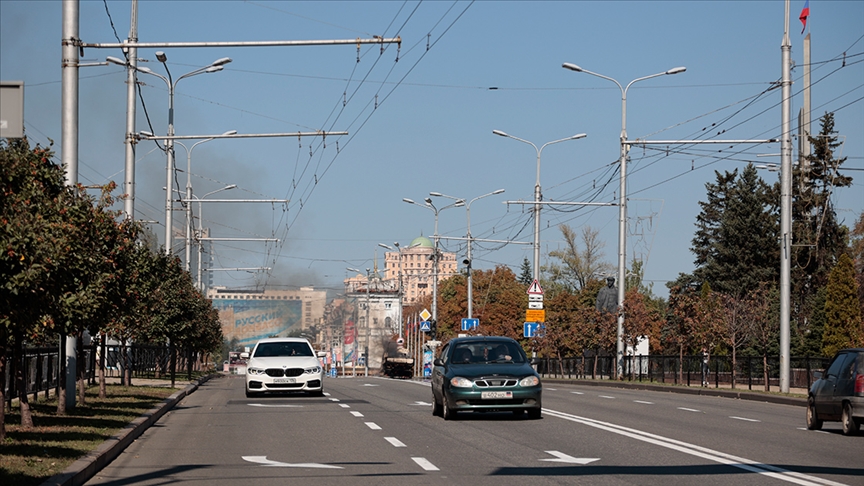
(500, 133)
(396, 243)
(382, 245)
(161, 57)
(352, 269)
(213, 69)
(499, 191)
(230, 132)
(436, 194)
(146, 134)
(145, 70)
(572, 67)
(578, 136)
(409, 201)
(428, 200)
(221, 62)
(229, 186)
(115, 60)
(459, 203)
(676, 70)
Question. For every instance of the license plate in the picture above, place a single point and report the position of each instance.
(284, 380)
(490, 395)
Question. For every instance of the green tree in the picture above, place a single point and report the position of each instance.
(818, 236)
(843, 325)
(736, 240)
(576, 265)
(526, 277)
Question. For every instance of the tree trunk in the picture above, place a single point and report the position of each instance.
(734, 362)
(21, 384)
(765, 372)
(103, 391)
(80, 372)
(680, 363)
(127, 373)
(2, 395)
(173, 354)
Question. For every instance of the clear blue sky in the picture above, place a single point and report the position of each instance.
(424, 123)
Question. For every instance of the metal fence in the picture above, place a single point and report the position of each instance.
(751, 372)
(42, 367)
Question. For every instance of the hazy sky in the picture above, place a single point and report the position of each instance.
(420, 118)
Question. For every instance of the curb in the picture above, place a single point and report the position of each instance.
(82, 470)
(710, 392)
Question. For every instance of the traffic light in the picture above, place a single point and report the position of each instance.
(433, 329)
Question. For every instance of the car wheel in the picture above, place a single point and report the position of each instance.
(813, 422)
(436, 407)
(850, 426)
(447, 412)
(533, 413)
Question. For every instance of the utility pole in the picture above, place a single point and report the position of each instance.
(785, 203)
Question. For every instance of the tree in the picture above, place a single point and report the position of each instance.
(843, 325)
(736, 241)
(577, 266)
(525, 275)
(764, 319)
(735, 328)
(818, 236)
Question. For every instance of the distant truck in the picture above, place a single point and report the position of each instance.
(397, 362)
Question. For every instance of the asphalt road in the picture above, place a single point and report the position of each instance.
(381, 431)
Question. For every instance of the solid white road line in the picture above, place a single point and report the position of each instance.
(698, 451)
(396, 442)
(426, 465)
(373, 426)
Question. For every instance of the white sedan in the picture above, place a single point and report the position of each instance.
(284, 364)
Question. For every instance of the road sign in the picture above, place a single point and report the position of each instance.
(535, 288)
(533, 329)
(425, 326)
(535, 315)
(425, 315)
(535, 297)
(468, 324)
(535, 305)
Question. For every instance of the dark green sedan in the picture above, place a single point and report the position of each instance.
(484, 374)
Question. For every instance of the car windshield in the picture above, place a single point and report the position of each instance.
(487, 352)
(269, 350)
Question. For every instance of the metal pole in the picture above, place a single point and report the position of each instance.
(368, 333)
(435, 272)
(69, 151)
(169, 171)
(537, 198)
(131, 88)
(622, 236)
(785, 206)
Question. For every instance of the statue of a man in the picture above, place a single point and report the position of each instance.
(607, 298)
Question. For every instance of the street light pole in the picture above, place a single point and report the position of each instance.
(201, 231)
(399, 249)
(537, 194)
(622, 204)
(169, 141)
(435, 210)
(189, 195)
(468, 236)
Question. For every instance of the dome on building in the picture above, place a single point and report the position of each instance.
(421, 241)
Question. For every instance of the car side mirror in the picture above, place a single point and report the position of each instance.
(438, 362)
(322, 354)
(244, 355)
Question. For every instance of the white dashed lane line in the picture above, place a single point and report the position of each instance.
(373, 425)
(577, 393)
(744, 419)
(642, 401)
(606, 396)
(396, 442)
(344, 405)
(426, 465)
(688, 409)
(356, 414)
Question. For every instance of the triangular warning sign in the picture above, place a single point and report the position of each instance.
(535, 288)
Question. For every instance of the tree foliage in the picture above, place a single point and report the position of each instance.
(843, 325)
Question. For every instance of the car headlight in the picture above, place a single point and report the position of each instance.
(255, 371)
(459, 382)
(313, 370)
(529, 381)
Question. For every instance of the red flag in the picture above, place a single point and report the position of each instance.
(805, 12)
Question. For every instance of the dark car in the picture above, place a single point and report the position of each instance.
(484, 374)
(838, 394)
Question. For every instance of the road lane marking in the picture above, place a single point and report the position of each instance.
(689, 409)
(426, 465)
(606, 396)
(273, 405)
(698, 451)
(577, 393)
(356, 414)
(373, 425)
(642, 401)
(344, 405)
(267, 462)
(333, 399)
(744, 419)
(561, 457)
(396, 442)
(424, 404)
(370, 384)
